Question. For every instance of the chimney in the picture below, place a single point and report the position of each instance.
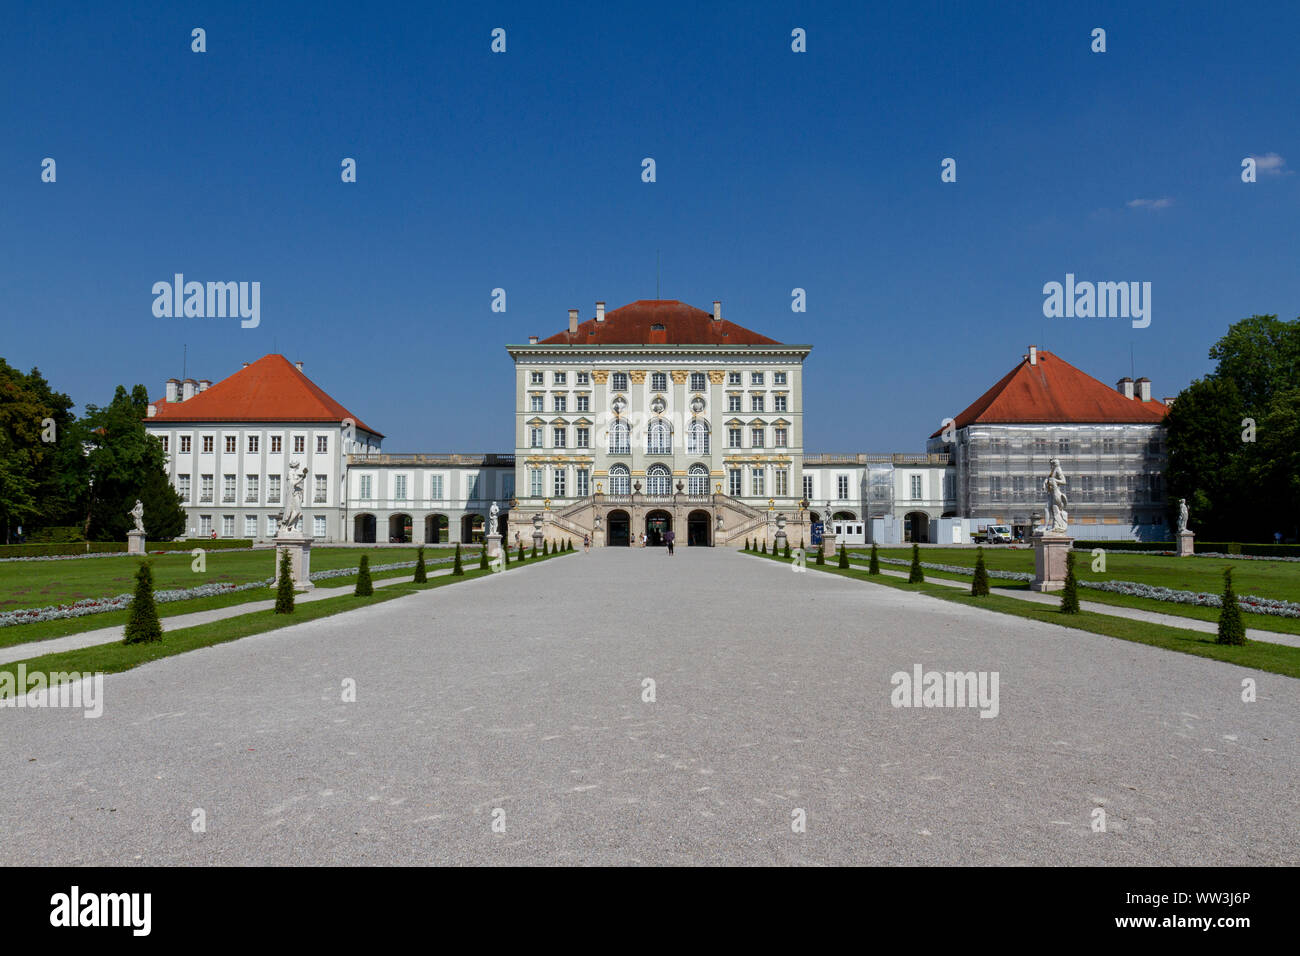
(1033, 355)
(188, 389)
(1125, 387)
(204, 385)
(573, 321)
(173, 388)
(600, 311)
(153, 409)
(532, 340)
(298, 365)
(1168, 400)
(717, 310)
(1144, 389)
(243, 365)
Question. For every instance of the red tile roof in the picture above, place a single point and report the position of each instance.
(682, 324)
(1053, 390)
(269, 390)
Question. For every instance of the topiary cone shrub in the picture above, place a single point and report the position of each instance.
(1070, 596)
(915, 575)
(457, 568)
(365, 587)
(873, 567)
(844, 558)
(142, 625)
(787, 548)
(534, 554)
(521, 552)
(821, 554)
(1232, 630)
(421, 573)
(979, 587)
(746, 544)
(482, 558)
(284, 589)
(546, 547)
(763, 547)
(505, 556)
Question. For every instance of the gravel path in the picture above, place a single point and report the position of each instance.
(523, 692)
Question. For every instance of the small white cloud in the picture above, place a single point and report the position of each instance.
(1164, 203)
(1271, 163)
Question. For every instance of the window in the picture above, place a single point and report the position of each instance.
(842, 487)
(782, 437)
(1154, 446)
(471, 487)
(778, 378)
(1108, 485)
(535, 482)
(583, 378)
(697, 481)
(808, 487)
(658, 481)
(733, 480)
(755, 378)
(1108, 446)
(535, 436)
(1085, 488)
(698, 383)
(582, 437)
(916, 487)
(756, 403)
(995, 488)
(584, 483)
(251, 489)
(557, 482)
(275, 444)
(756, 482)
(733, 437)
(185, 444)
(560, 436)
(367, 487)
(697, 438)
(779, 403)
(733, 378)
(435, 487)
(583, 403)
(756, 435)
(620, 480)
(163, 440)
(272, 489)
(318, 526)
(733, 403)
(508, 485)
(299, 444)
(1063, 446)
(535, 403)
(227, 526)
(781, 480)
(1018, 487)
(560, 378)
(561, 403)
(322, 444)
(272, 526)
(252, 444)
(230, 444)
(183, 487)
(250, 526)
(659, 439)
(227, 488)
(207, 444)
(205, 525)
(658, 382)
(536, 378)
(321, 490)
(1040, 447)
(618, 381)
(620, 440)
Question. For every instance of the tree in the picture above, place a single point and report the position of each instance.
(534, 551)
(786, 554)
(505, 556)
(821, 554)
(915, 575)
(979, 587)
(1232, 630)
(762, 549)
(456, 568)
(142, 623)
(844, 558)
(1070, 596)
(284, 588)
(36, 443)
(482, 558)
(873, 566)
(421, 572)
(521, 552)
(1206, 464)
(365, 587)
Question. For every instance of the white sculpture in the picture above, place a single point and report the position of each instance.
(1182, 516)
(492, 518)
(297, 483)
(138, 514)
(1058, 519)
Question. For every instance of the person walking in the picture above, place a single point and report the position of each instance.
(668, 537)
(586, 543)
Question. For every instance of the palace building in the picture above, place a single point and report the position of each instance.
(655, 417)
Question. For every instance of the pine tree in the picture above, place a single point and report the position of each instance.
(746, 544)
(421, 573)
(142, 624)
(534, 554)
(364, 586)
(844, 558)
(482, 558)
(915, 575)
(284, 590)
(763, 548)
(821, 554)
(873, 567)
(787, 548)
(457, 569)
(979, 587)
(521, 552)
(1070, 596)
(505, 556)
(1232, 630)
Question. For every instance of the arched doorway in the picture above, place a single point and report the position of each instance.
(471, 528)
(437, 529)
(620, 528)
(399, 529)
(697, 529)
(363, 529)
(657, 524)
(916, 526)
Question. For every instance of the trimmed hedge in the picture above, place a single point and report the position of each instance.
(1202, 547)
(111, 547)
(1082, 545)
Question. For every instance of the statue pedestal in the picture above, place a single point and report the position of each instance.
(298, 546)
(598, 538)
(1186, 544)
(1050, 553)
(780, 543)
(493, 544)
(828, 542)
(135, 542)
(537, 541)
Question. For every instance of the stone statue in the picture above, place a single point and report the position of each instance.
(297, 484)
(492, 518)
(137, 513)
(1182, 515)
(828, 523)
(1058, 519)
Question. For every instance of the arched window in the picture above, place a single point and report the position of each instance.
(659, 438)
(620, 440)
(697, 480)
(618, 480)
(697, 438)
(658, 382)
(619, 382)
(658, 481)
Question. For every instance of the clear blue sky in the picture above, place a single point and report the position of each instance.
(523, 171)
